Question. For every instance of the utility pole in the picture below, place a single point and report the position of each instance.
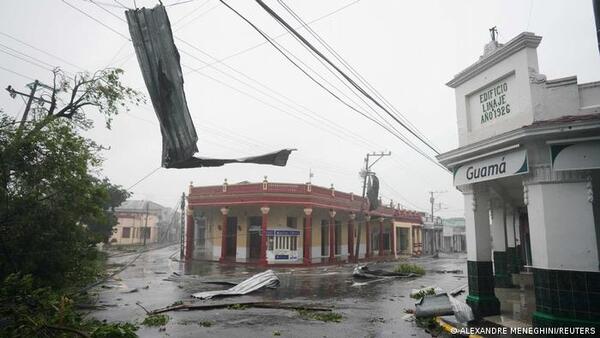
(146, 224)
(29, 101)
(367, 173)
(181, 227)
(432, 201)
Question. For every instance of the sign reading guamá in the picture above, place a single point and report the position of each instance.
(492, 167)
(493, 102)
(490, 170)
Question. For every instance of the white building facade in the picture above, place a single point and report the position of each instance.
(528, 165)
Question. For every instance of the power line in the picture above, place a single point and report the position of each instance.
(332, 125)
(350, 80)
(196, 17)
(377, 122)
(280, 35)
(349, 67)
(143, 178)
(25, 60)
(40, 50)
(190, 13)
(401, 138)
(16, 73)
(98, 21)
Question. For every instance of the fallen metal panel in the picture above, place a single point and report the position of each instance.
(267, 279)
(431, 306)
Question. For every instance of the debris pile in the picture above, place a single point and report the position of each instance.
(267, 279)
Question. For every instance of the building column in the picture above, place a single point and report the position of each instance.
(263, 235)
(481, 296)
(381, 236)
(498, 215)
(189, 234)
(562, 211)
(351, 218)
(393, 240)
(332, 236)
(224, 212)
(368, 235)
(307, 248)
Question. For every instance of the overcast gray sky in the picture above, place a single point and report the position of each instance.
(407, 50)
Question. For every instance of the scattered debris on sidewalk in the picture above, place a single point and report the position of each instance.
(427, 291)
(443, 304)
(267, 279)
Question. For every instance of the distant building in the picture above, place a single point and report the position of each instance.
(454, 237)
(432, 235)
(528, 167)
(282, 223)
(138, 219)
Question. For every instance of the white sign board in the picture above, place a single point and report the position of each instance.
(491, 168)
(576, 156)
(492, 103)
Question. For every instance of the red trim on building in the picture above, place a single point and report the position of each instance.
(301, 195)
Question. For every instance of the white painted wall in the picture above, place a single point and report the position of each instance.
(516, 69)
(562, 227)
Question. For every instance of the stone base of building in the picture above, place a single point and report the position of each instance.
(481, 298)
(484, 306)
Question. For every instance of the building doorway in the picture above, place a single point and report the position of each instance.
(324, 238)
(525, 244)
(403, 241)
(254, 237)
(231, 239)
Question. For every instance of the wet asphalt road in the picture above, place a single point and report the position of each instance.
(373, 310)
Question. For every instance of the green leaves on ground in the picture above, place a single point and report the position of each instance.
(410, 268)
(156, 320)
(324, 316)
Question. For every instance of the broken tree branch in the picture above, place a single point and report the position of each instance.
(263, 305)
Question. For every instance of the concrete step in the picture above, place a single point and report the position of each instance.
(523, 279)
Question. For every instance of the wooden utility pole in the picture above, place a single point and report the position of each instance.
(146, 224)
(29, 101)
(361, 216)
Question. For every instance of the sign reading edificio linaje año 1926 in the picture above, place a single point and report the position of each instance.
(494, 103)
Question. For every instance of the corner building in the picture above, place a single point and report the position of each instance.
(292, 224)
(528, 166)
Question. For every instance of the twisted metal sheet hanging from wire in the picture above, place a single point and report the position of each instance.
(159, 61)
